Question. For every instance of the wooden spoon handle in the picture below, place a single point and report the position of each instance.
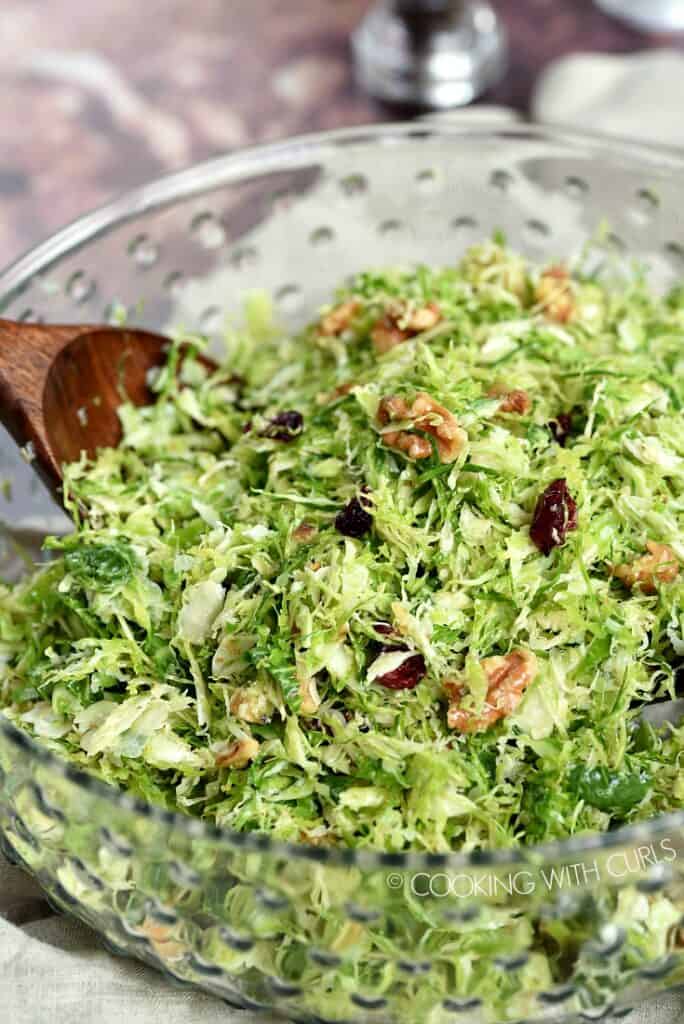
(27, 351)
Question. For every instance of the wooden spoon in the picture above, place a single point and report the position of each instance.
(60, 387)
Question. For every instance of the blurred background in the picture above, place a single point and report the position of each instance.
(99, 96)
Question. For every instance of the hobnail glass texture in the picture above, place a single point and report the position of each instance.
(322, 934)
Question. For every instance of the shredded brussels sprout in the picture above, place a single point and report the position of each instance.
(404, 580)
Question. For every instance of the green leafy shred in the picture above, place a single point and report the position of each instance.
(209, 597)
(100, 566)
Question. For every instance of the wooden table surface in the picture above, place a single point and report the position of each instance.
(100, 95)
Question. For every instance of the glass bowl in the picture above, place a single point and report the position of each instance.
(319, 934)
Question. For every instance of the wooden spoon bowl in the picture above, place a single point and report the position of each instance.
(61, 387)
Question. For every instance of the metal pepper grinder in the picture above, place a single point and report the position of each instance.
(430, 53)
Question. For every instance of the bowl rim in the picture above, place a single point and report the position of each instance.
(238, 166)
(294, 153)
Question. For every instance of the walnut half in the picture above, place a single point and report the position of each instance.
(660, 565)
(427, 415)
(508, 676)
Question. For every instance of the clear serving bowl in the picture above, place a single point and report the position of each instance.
(320, 934)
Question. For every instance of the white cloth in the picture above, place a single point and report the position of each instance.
(53, 969)
(635, 97)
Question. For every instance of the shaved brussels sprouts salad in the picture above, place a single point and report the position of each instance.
(403, 580)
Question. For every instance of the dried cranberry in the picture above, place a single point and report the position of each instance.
(554, 516)
(409, 673)
(561, 428)
(383, 628)
(406, 676)
(354, 520)
(286, 426)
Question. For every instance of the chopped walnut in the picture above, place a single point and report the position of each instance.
(237, 754)
(310, 700)
(424, 318)
(304, 533)
(339, 319)
(508, 677)
(386, 335)
(554, 294)
(660, 565)
(401, 323)
(425, 414)
(516, 401)
(251, 704)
